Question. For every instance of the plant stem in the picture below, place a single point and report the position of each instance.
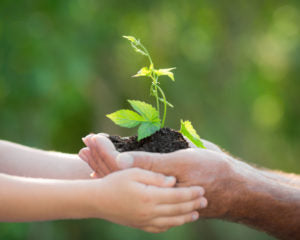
(154, 83)
(165, 105)
(157, 100)
(148, 55)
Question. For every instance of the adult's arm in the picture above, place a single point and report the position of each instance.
(279, 176)
(235, 190)
(19, 160)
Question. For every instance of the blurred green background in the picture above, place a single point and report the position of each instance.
(64, 65)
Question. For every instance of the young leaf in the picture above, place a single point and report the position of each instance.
(165, 71)
(146, 129)
(131, 39)
(135, 47)
(188, 131)
(168, 103)
(148, 112)
(126, 118)
(135, 43)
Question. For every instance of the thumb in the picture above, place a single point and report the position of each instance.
(155, 162)
(152, 178)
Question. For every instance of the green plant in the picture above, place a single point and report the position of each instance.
(146, 116)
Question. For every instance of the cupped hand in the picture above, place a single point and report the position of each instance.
(210, 169)
(103, 166)
(147, 200)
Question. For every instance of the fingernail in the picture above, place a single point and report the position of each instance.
(170, 179)
(195, 216)
(201, 192)
(93, 175)
(124, 160)
(203, 202)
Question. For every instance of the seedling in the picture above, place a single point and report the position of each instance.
(146, 116)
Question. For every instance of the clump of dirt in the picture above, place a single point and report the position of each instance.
(164, 140)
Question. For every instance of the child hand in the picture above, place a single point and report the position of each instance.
(146, 200)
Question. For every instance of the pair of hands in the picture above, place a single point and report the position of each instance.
(136, 197)
(209, 168)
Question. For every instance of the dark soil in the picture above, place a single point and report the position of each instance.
(163, 141)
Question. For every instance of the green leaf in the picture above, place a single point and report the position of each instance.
(145, 71)
(126, 118)
(188, 131)
(137, 49)
(168, 103)
(135, 43)
(146, 129)
(166, 72)
(148, 112)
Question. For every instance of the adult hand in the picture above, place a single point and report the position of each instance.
(101, 167)
(235, 190)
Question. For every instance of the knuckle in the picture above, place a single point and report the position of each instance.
(143, 214)
(146, 198)
(178, 195)
(195, 205)
(189, 194)
(160, 178)
(194, 192)
(181, 209)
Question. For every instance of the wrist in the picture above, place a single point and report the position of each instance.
(80, 199)
(251, 191)
(91, 197)
(100, 202)
(241, 178)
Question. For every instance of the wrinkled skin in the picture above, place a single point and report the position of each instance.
(266, 200)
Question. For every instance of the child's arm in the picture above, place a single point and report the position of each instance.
(134, 197)
(19, 160)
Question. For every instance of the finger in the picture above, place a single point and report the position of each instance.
(156, 162)
(87, 137)
(176, 195)
(155, 229)
(151, 178)
(211, 146)
(96, 175)
(106, 151)
(181, 208)
(175, 221)
(82, 155)
(97, 161)
(85, 155)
